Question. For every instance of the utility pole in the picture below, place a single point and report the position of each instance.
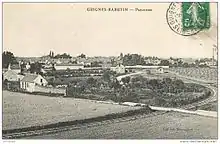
(213, 54)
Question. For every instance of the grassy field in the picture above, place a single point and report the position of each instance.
(25, 110)
(171, 125)
(208, 74)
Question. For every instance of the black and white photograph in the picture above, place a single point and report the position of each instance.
(110, 71)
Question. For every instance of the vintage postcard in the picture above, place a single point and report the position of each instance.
(110, 71)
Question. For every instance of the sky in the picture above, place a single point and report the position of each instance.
(33, 29)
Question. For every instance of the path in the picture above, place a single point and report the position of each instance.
(126, 75)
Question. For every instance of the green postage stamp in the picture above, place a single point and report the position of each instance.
(188, 18)
(195, 15)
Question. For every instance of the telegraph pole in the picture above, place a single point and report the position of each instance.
(213, 54)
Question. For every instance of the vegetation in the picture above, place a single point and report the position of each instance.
(133, 59)
(213, 106)
(11, 85)
(63, 56)
(96, 64)
(164, 63)
(207, 74)
(160, 92)
(82, 56)
(36, 68)
(8, 58)
(51, 54)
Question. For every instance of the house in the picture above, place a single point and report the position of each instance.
(27, 66)
(211, 63)
(11, 75)
(68, 66)
(119, 69)
(29, 82)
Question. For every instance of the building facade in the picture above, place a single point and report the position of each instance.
(119, 69)
(29, 82)
(68, 66)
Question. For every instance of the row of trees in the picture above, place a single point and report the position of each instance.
(136, 59)
(64, 55)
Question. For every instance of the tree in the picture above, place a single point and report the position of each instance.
(91, 81)
(185, 64)
(63, 56)
(139, 78)
(167, 81)
(115, 84)
(121, 55)
(180, 62)
(126, 80)
(197, 62)
(154, 83)
(23, 67)
(106, 76)
(164, 63)
(82, 56)
(36, 68)
(95, 64)
(8, 58)
(178, 84)
(133, 59)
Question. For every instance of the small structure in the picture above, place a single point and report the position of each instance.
(12, 75)
(119, 69)
(29, 82)
(160, 70)
(27, 66)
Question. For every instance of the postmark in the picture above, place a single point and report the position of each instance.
(188, 18)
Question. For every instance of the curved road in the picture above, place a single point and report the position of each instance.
(213, 89)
